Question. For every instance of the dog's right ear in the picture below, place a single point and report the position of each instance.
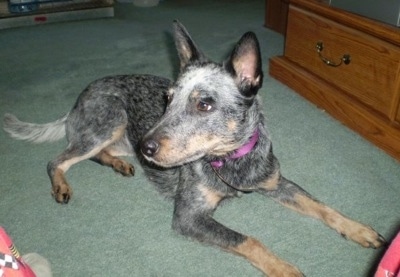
(187, 49)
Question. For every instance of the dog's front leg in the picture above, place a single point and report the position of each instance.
(193, 218)
(292, 196)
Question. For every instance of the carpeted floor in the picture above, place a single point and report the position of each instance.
(116, 226)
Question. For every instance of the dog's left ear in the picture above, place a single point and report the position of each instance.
(245, 65)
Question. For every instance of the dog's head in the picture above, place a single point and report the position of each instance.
(212, 108)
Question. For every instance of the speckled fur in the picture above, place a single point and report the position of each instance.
(177, 130)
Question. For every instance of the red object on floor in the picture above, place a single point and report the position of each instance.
(40, 18)
(11, 264)
(390, 263)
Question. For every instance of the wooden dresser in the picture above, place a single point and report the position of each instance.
(347, 65)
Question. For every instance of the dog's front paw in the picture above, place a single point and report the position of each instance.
(364, 235)
(62, 193)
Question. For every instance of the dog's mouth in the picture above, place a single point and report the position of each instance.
(166, 153)
(172, 163)
(170, 160)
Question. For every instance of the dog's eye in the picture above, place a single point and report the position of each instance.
(204, 106)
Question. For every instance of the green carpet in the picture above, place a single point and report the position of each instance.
(116, 226)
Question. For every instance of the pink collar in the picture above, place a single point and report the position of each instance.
(246, 148)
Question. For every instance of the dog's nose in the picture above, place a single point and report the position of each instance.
(150, 147)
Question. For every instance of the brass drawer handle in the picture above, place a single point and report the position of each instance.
(345, 59)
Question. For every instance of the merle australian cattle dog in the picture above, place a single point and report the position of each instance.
(200, 140)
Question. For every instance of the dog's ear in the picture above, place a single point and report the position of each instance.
(245, 65)
(187, 49)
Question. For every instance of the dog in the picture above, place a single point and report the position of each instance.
(201, 139)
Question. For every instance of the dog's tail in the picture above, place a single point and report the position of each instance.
(32, 132)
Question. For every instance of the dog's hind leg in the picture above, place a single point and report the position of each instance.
(57, 168)
(92, 126)
(76, 152)
(294, 197)
(109, 156)
(106, 157)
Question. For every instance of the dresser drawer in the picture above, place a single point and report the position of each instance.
(364, 94)
(370, 76)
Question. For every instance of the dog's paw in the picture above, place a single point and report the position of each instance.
(123, 167)
(62, 193)
(364, 235)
